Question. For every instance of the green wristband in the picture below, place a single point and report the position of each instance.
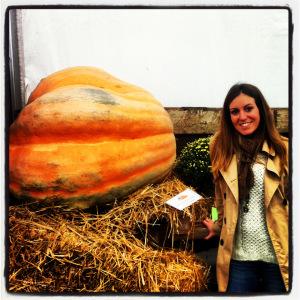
(214, 214)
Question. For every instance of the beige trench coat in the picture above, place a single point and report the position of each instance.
(276, 204)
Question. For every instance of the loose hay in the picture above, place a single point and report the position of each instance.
(55, 249)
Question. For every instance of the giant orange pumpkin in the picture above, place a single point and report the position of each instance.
(86, 137)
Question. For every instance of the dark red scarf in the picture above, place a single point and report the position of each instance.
(247, 149)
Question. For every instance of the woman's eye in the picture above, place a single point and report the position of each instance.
(234, 112)
(248, 108)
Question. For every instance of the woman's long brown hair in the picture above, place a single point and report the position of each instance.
(223, 143)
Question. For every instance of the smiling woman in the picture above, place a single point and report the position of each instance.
(244, 114)
(250, 169)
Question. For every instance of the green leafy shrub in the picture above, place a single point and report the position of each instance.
(193, 166)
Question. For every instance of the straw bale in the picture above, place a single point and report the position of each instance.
(58, 249)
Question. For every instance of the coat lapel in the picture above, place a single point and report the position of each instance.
(272, 177)
(231, 178)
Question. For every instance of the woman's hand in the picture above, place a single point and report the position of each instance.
(209, 223)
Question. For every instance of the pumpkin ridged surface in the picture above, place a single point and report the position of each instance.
(86, 137)
(64, 114)
(99, 167)
(90, 76)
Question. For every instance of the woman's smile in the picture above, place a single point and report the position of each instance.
(245, 124)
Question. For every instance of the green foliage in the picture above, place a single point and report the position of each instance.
(193, 166)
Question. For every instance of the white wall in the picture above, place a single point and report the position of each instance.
(185, 57)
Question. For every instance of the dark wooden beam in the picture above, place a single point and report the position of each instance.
(203, 120)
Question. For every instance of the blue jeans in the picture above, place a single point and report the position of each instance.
(255, 277)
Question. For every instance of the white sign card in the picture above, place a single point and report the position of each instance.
(184, 199)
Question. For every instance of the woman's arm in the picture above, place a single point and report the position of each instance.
(214, 228)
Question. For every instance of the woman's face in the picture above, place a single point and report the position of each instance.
(244, 114)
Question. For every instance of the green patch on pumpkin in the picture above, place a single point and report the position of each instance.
(101, 96)
(63, 184)
(34, 186)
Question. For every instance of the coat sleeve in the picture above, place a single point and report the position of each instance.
(219, 205)
(284, 186)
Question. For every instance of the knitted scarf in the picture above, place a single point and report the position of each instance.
(248, 148)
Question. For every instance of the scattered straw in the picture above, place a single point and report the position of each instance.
(56, 249)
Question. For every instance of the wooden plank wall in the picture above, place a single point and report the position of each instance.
(205, 121)
(191, 123)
